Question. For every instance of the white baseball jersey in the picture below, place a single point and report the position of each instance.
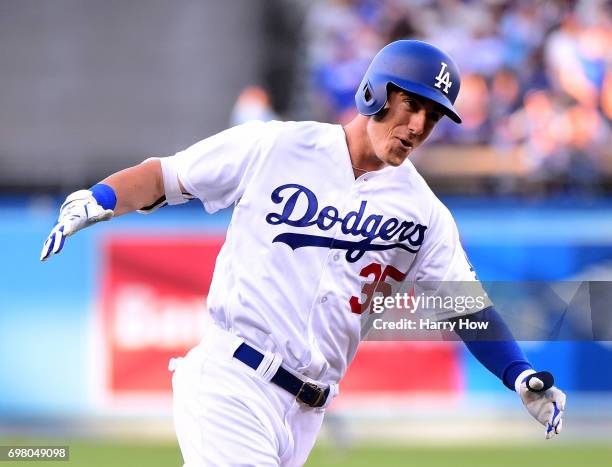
(306, 236)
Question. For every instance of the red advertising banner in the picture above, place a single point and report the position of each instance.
(153, 306)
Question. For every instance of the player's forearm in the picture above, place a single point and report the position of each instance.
(136, 187)
(495, 347)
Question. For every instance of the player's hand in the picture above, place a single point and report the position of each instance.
(80, 210)
(544, 401)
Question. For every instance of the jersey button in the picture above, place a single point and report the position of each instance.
(336, 257)
(323, 299)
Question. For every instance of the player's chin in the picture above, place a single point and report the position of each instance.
(395, 158)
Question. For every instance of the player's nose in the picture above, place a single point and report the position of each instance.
(416, 124)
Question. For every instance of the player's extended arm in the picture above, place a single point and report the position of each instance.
(497, 350)
(139, 187)
(136, 187)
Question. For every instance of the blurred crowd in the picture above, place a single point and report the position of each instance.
(536, 75)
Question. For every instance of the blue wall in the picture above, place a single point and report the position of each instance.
(540, 241)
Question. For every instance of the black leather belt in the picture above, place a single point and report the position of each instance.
(304, 391)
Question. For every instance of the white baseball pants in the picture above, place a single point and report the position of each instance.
(227, 414)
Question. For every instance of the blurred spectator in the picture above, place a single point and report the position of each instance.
(536, 75)
(505, 94)
(566, 63)
(535, 127)
(586, 136)
(253, 103)
(522, 29)
(341, 43)
(473, 106)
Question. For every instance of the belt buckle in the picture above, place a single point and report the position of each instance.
(318, 402)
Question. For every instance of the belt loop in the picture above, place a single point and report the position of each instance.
(269, 366)
(334, 390)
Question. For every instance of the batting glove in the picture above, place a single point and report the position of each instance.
(80, 210)
(543, 401)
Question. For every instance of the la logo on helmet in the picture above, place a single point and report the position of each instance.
(443, 78)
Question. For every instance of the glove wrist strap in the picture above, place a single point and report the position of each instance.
(104, 195)
(519, 379)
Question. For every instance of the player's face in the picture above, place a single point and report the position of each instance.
(407, 122)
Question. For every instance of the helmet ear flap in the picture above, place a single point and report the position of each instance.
(370, 98)
(384, 108)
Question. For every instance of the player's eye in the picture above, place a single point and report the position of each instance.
(434, 116)
(412, 104)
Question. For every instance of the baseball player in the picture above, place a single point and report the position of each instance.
(323, 214)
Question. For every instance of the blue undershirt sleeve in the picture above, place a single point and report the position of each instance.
(494, 346)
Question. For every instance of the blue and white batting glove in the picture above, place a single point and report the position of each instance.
(80, 210)
(545, 402)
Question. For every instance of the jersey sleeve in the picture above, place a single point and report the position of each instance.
(442, 269)
(217, 169)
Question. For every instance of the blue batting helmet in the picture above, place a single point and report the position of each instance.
(414, 66)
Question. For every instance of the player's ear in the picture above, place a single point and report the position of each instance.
(378, 116)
